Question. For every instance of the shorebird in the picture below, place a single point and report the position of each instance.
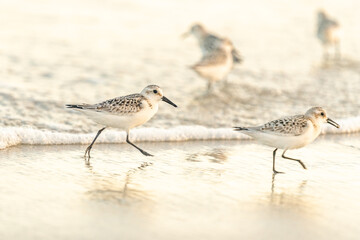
(209, 42)
(124, 112)
(216, 65)
(290, 132)
(328, 32)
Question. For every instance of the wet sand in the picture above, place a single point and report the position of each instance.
(189, 190)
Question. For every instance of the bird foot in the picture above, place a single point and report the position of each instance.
(146, 153)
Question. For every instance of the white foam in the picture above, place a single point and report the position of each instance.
(10, 136)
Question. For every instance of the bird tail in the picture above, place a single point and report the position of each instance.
(74, 106)
(237, 58)
(240, 129)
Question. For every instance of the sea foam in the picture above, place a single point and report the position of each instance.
(10, 136)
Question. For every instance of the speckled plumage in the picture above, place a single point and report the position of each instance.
(123, 105)
(290, 132)
(217, 57)
(124, 112)
(209, 42)
(293, 126)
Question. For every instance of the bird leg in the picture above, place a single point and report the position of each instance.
(337, 51)
(299, 161)
(325, 53)
(209, 86)
(274, 154)
(142, 151)
(88, 149)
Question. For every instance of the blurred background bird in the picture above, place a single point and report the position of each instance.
(216, 65)
(328, 32)
(209, 42)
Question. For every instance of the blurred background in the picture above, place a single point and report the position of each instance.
(53, 53)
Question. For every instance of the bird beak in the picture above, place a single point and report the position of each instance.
(165, 99)
(332, 123)
(185, 35)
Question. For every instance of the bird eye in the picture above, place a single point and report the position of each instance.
(155, 91)
(322, 114)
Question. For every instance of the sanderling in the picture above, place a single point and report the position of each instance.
(216, 65)
(328, 32)
(209, 42)
(290, 132)
(124, 112)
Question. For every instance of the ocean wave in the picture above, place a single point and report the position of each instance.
(11, 136)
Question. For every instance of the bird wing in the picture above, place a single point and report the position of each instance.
(211, 43)
(326, 24)
(333, 23)
(288, 126)
(237, 58)
(217, 57)
(120, 106)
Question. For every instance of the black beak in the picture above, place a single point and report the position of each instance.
(329, 121)
(165, 99)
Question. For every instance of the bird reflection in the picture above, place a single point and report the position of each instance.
(126, 192)
(109, 187)
(215, 155)
(293, 199)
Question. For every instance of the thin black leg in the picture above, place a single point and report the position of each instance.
(209, 86)
(325, 54)
(88, 149)
(299, 161)
(337, 51)
(142, 151)
(274, 154)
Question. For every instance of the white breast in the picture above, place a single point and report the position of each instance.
(125, 122)
(286, 141)
(215, 72)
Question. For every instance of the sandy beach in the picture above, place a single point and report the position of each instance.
(189, 190)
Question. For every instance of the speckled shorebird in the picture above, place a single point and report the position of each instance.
(328, 32)
(216, 65)
(209, 42)
(124, 112)
(290, 132)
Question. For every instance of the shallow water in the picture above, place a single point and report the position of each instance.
(191, 190)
